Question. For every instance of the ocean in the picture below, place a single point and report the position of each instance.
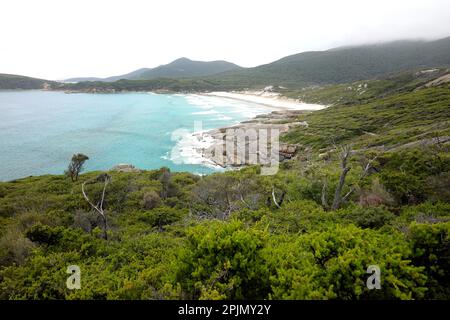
(41, 130)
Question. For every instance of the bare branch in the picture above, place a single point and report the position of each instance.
(105, 178)
(274, 198)
(87, 198)
(364, 174)
(278, 204)
(345, 154)
(324, 195)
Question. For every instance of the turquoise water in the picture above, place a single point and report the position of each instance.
(41, 130)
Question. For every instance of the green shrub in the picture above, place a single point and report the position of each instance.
(405, 173)
(14, 247)
(437, 187)
(332, 264)
(224, 260)
(431, 250)
(426, 212)
(150, 200)
(372, 217)
(250, 216)
(298, 216)
(159, 217)
(42, 278)
(43, 234)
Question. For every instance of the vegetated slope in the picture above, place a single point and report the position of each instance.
(134, 75)
(229, 235)
(81, 79)
(12, 81)
(345, 64)
(364, 90)
(186, 68)
(387, 123)
(340, 65)
(384, 113)
(308, 69)
(158, 85)
(180, 68)
(131, 75)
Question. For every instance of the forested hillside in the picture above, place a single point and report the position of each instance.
(11, 81)
(299, 71)
(342, 65)
(369, 186)
(180, 68)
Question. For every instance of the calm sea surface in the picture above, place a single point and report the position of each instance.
(41, 130)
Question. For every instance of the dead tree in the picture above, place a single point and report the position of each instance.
(248, 193)
(344, 155)
(105, 179)
(278, 203)
(219, 193)
(338, 199)
(367, 166)
(323, 197)
(165, 181)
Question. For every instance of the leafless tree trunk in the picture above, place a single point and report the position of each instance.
(278, 204)
(324, 195)
(105, 179)
(345, 154)
(366, 168)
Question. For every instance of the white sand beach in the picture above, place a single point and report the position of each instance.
(272, 100)
(269, 109)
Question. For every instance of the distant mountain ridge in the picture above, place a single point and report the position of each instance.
(314, 68)
(180, 68)
(345, 64)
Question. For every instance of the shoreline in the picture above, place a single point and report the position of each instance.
(268, 99)
(269, 111)
(282, 115)
(262, 98)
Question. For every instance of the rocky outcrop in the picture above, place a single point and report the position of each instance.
(124, 167)
(93, 90)
(251, 149)
(439, 81)
(287, 151)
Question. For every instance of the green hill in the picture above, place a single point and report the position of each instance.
(320, 68)
(342, 65)
(303, 70)
(11, 81)
(185, 68)
(81, 79)
(180, 68)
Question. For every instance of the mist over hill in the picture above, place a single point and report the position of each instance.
(344, 64)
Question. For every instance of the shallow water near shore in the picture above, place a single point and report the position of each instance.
(40, 130)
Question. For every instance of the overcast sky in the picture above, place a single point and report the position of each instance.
(57, 39)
